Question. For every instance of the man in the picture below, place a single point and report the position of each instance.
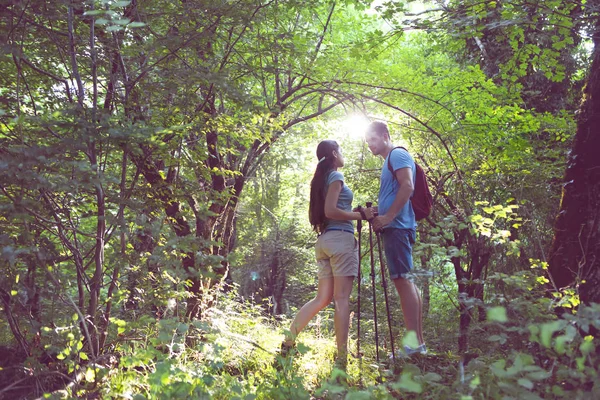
(397, 224)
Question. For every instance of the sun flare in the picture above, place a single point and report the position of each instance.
(354, 126)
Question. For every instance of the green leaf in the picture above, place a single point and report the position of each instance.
(164, 337)
(498, 368)
(94, 12)
(121, 325)
(432, 377)
(410, 340)
(476, 381)
(165, 378)
(580, 361)
(362, 395)
(526, 383)
(498, 338)
(497, 314)
(406, 383)
(587, 347)
(539, 375)
(182, 328)
(560, 344)
(546, 332)
(90, 375)
(122, 21)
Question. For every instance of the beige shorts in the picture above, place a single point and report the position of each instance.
(337, 254)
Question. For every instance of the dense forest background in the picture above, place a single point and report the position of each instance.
(155, 164)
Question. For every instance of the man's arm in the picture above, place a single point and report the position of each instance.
(404, 178)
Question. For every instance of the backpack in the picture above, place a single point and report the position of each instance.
(421, 200)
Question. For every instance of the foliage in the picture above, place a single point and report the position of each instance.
(529, 353)
(152, 150)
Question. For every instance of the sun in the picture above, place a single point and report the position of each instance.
(354, 126)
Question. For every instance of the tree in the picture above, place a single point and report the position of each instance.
(529, 53)
(128, 133)
(575, 256)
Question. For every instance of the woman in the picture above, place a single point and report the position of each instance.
(331, 215)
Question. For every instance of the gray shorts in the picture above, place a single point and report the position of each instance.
(337, 254)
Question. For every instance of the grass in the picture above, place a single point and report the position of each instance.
(234, 355)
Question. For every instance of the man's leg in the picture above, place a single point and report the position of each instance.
(420, 328)
(412, 306)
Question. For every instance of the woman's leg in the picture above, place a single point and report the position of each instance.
(310, 309)
(342, 287)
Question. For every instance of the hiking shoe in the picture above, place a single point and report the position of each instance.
(410, 351)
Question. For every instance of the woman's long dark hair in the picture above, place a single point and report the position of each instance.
(316, 208)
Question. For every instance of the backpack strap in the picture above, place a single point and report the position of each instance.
(389, 163)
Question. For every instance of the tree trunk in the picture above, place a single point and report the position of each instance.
(426, 289)
(465, 315)
(575, 255)
(5, 298)
(470, 287)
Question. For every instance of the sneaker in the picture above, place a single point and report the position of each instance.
(410, 351)
(422, 349)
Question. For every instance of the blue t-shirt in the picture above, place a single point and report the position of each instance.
(344, 203)
(389, 186)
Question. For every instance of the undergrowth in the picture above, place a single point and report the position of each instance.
(235, 357)
(521, 351)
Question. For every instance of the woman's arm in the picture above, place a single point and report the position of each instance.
(331, 199)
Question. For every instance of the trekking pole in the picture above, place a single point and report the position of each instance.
(369, 204)
(359, 229)
(385, 294)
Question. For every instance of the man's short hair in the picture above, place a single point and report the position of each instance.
(379, 128)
